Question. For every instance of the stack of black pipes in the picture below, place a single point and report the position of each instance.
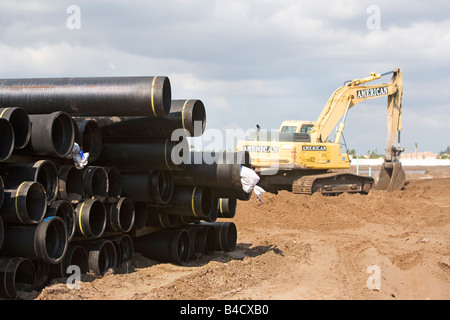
(141, 191)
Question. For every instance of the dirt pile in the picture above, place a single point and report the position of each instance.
(380, 246)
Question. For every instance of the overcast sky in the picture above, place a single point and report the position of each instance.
(250, 61)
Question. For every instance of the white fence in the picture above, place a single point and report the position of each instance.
(405, 162)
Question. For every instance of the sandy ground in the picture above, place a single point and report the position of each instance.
(377, 247)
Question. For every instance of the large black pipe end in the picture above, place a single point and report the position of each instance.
(162, 186)
(227, 207)
(64, 209)
(90, 218)
(6, 139)
(211, 238)
(52, 134)
(95, 181)
(76, 255)
(125, 247)
(20, 122)
(197, 238)
(167, 245)
(16, 275)
(114, 184)
(47, 175)
(140, 215)
(160, 96)
(2, 191)
(226, 233)
(90, 138)
(203, 202)
(51, 240)
(192, 114)
(2, 232)
(25, 203)
(120, 215)
(70, 184)
(102, 255)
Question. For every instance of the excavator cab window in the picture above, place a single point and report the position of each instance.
(306, 128)
(289, 129)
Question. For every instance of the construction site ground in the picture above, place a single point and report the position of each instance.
(307, 247)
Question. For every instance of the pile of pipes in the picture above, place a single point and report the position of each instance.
(91, 172)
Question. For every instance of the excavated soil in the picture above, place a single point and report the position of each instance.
(307, 247)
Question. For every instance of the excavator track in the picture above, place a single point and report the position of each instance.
(334, 183)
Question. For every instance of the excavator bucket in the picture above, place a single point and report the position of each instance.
(391, 178)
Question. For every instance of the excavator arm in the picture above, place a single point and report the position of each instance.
(344, 98)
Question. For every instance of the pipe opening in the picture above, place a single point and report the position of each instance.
(198, 115)
(70, 184)
(79, 258)
(91, 138)
(48, 177)
(126, 214)
(107, 258)
(35, 202)
(207, 201)
(6, 139)
(55, 239)
(183, 247)
(97, 218)
(62, 133)
(167, 95)
(25, 277)
(21, 124)
(64, 210)
(114, 182)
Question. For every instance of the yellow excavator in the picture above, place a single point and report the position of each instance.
(300, 157)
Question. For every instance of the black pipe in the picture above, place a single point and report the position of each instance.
(90, 218)
(213, 169)
(126, 248)
(186, 115)
(42, 171)
(6, 139)
(140, 215)
(102, 255)
(114, 184)
(64, 209)
(120, 215)
(227, 207)
(20, 122)
(25, 203)
(111, 96)
(154, 154)
(2, 232)
(2, 192)
(211, 238)
(70, 184)
(75, 255)
(231, 193)
(226, 235)
(95, 182)
(90, 138)
(51, 135)
(197, 241)
(190, 201)
(46, 241)
(148, 186)
(17, 274)
(42, 273)
(156, 218)
(166, 245)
